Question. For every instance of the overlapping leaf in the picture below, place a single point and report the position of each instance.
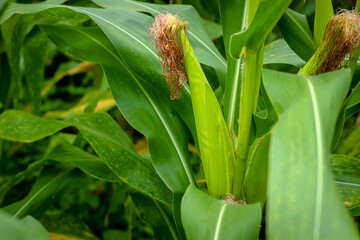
(266, 17)
(278, 52)
(296, 32)
(206, 218)
(106, 138)
(232, 22)
(140, 93)
(255, 182)
(351, 106)
(299, 172)
(204, 48)
(346, 171)
(51, 184)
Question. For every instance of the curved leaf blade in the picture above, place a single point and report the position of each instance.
(231, 13)
(207, 218)
(266, 17)
(299, 174)
(346, 171)
(140, 102)
(255, 181)
(105, 137)
(52, 182)
(85, 161)
(279, 52)
(296, 32)
(352, 105)
(165, 126)
(203, 46)
(25, 229)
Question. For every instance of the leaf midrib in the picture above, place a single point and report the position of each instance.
(192, 34)
(303, 31)
(168, 130)
(38, 192)
(219, 221)
(320, 161)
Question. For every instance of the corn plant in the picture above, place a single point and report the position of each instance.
(271, 121)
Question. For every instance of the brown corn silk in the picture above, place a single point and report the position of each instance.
(342, 37)
(163, 32)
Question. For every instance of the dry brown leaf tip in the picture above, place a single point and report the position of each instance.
(163, 32)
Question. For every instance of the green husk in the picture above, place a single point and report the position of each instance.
(216, 150)
(341, 38)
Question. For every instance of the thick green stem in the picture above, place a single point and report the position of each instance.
(248, 98)
(250, 85)
(259, 67)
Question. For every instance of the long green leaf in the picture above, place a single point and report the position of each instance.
(51, 184)
(206, 218)
(266, 17)
(203, 46)
(135, 96)
(299, 174)
(142, 93)
(156, 216)
(35, 50)
(346, 171)
(25, 229)
(349, 145)
(231, 13)
(11, 229)
(14, 31)
(106, 138)
(323, 12)
(66, 226)
(255, 181)
(85, 161)
(63, 153)
(34, 229)
(279, 52)
(296, 32)
(351, 106)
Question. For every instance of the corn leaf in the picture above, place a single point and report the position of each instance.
(323, 12)
(34, 51)
(141, 102)
(204, 48)
(52, 183)
(24, 229)
(351, 106)
(255, 181)
(34, 229)
(266, 17)
(106, 138)
(86, 162)
(346, 171)
(296, 32)
(154, 214)
(166, 127)
(206, 218)
(279, 52)
(231, 13)
(300, 181)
